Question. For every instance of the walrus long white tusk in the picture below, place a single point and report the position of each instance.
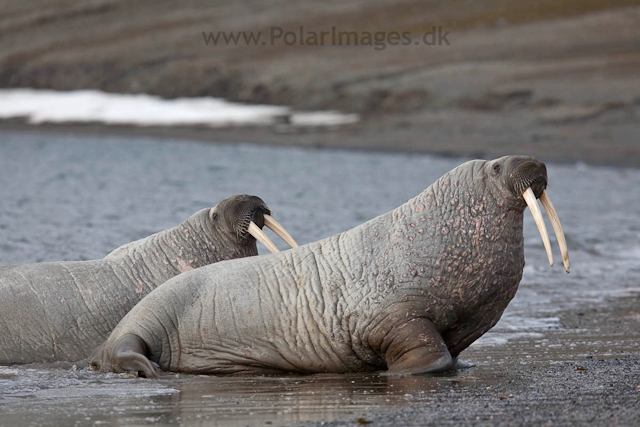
(557, 227)
(255, 231)
(279, 230)
(530, 198)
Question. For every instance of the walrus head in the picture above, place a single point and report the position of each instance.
(524, 179)
(245, 216)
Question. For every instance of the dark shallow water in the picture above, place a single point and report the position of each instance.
(70, 198)
(95, 398)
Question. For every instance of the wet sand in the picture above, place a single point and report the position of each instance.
(587, 371)
(566, 352)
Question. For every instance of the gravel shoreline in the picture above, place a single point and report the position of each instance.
(367, 136)
(519, 384)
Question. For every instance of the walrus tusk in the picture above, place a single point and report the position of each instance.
(255, 231)
(530, 198)
(557, 227)
(279, 230)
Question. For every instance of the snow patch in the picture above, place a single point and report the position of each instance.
(84, 106)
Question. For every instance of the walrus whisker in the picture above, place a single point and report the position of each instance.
(530, 198)
(279, 230)
(255, 231)
(557, 227)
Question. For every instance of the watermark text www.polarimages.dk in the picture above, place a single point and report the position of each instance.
(378, 40)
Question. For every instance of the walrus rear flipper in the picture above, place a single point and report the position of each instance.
(416, 347)
(129, 354)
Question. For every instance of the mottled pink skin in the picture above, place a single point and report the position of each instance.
(462, 256)
(406, 291)
(60, 311)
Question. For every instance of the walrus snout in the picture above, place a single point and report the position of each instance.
(529, 179)
(246, 215)
(527, 172)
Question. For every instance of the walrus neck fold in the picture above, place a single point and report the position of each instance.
(451, 239)
(193, 244)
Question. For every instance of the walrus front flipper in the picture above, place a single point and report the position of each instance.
(415, 347)
(130, 354)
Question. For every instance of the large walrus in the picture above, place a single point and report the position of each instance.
(406, 291)
(62, 310)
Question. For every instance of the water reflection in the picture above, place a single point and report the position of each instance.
(87, 396)
(290, 400)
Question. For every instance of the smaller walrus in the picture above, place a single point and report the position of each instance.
(60, 311)
(405, 292)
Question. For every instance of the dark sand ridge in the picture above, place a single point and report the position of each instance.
(559, 80)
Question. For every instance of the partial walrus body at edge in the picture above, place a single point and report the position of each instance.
(60, 311)
(406, 292)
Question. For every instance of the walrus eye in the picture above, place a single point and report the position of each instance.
(496, 169)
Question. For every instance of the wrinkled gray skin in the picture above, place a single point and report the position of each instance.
(60, 311)
(406, 291)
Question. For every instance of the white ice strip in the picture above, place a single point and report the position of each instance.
(323, 118)
(513, 327)
(521, 323)
(82, 106)
(492, 339)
